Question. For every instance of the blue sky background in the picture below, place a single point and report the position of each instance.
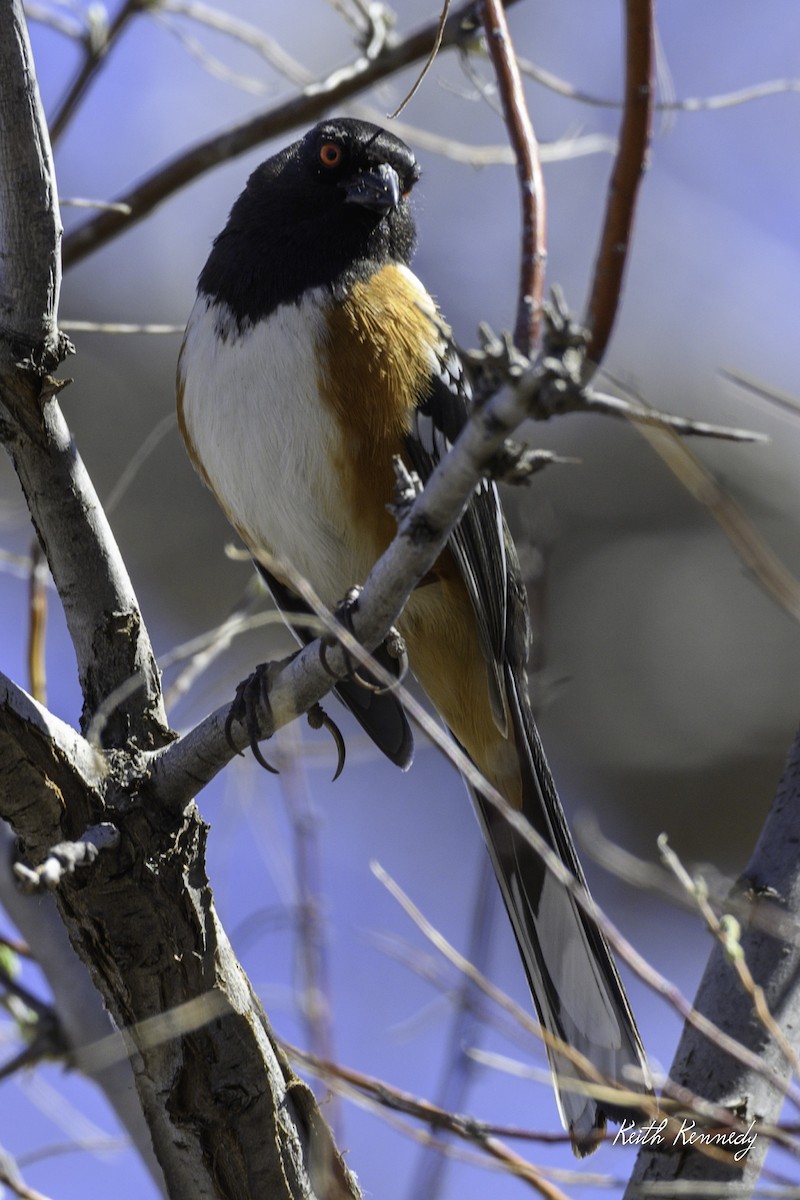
(668, 684)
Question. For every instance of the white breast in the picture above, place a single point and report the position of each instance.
(265, 443)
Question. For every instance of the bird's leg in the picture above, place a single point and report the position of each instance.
(393, 644)
(252, 699)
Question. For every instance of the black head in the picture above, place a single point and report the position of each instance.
(321, 212)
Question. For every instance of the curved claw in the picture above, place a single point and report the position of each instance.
(251, 694)
(367, 684)
(395, 646)
(232, 716)
(324, 644)
(319, 719)
(393, 642)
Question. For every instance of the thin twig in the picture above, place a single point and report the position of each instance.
(20, 1189)
(16, 946)
(66, 858)
(533, 250)
(201, 652)
(587, 1078)
(611, 1095)
(83, 202)
(426, 66)
(464, 1031)
(727, 931)
(755, 911)
(244, 33)
(499, 362)
(477, 1133)
(117, 327)
(488, 155)
(676, 1104)
(38, 584)
(102, 1145)
(657, 982)
(745, 95)
(311, 948)
(208, 62)
(766, 567)
(606, 288)
(787, 401)
(297, 111)
(429, 968)
(96, 50)
(137, 461)
(45, 15)
(642, 415)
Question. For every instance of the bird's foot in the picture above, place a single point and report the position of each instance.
(250, 702)
(393, 645)
(251, 705)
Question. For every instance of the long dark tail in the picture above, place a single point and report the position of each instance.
(576, 987)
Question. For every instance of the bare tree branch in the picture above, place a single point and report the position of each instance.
(111, 643)
(467, 1128)
(310, 931)
(465, 1029)
(97, 44)
(101, 609)
(150, 888)
(745, 95)
(606, 288)
(14, 1183)
(151, 891)
(533, 251)
(51, 768)
(754, 1089)
(30, 224)
(313, 101)
(767, 568)
(243, 32)
(81, 1013)
(37, 623)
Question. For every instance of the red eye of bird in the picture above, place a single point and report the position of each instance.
(330, 154)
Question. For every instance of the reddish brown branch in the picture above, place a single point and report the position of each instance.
(37, 623)
(625, 179)
(533, 254)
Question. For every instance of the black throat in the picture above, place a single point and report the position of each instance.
(280, 242)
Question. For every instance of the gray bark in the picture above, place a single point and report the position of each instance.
(771, 885)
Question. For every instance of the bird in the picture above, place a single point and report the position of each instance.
(312, 357)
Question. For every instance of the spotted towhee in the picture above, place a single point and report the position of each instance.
(313, 356)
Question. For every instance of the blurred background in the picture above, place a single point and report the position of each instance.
(666, 677)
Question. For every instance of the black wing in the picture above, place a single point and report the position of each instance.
(480, 543)
(574, 981)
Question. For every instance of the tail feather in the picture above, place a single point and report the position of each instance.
(575, 984)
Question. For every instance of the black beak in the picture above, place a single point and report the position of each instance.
(378, 189)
